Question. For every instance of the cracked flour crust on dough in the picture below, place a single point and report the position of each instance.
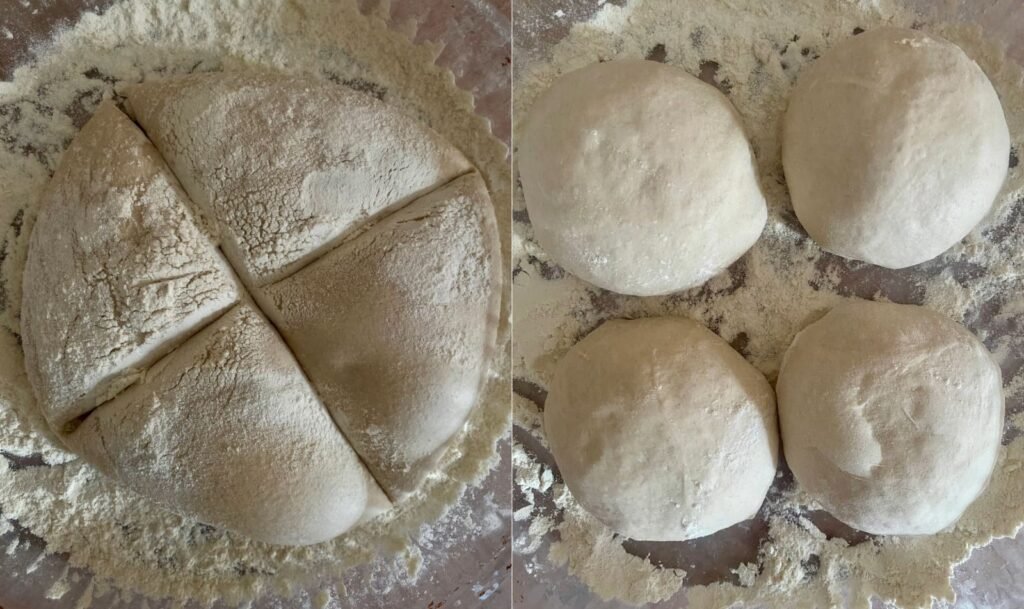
(228, 407)
(119, 273)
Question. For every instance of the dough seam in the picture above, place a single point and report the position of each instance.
(141, 373)
(368, 223)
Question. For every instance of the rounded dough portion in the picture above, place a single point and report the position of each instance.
(661, 430)
(226, 429)
(638, 177)
(894, 146)
(891, 416)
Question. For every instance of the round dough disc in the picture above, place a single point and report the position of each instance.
(661, 430)
(891, 416)
(894, 146)
(162, 244)
(638, 178)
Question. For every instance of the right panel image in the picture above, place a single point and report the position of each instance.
(768, 285)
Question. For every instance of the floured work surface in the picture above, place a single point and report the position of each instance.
(791, 555)
(106, 546)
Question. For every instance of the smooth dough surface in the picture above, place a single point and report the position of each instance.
(638, 177)
(118, 272)
(894, 146)
(395, 328)
(661, 430)
(891, 416)
(286, 166)
(227, 428)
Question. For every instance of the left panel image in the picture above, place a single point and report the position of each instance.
(254, 304)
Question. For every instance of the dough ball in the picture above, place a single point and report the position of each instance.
(638, 178)
(891, 416)
(661, 430)
(894, 147)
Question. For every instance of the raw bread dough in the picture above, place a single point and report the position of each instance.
(227, 428)
(661, 430)
(383, 260)
(395, 328)
(638, 177)
(120, 273)
(894, 146)
(891, 416)
(285, 166)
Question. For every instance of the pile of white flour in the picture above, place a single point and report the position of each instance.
(128, 545)
(753, 52)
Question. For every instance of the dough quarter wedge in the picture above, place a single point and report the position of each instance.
(286, 167)
(118, 272)
(395, 328)
(228, 429)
